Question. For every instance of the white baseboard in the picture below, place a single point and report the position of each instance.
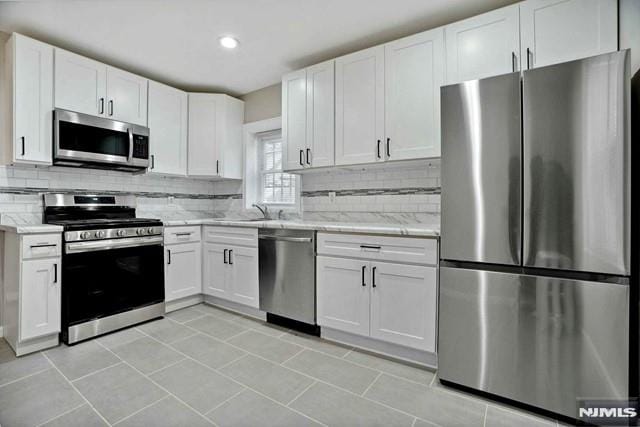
(394, 351)
(234, 306)
(182, 303)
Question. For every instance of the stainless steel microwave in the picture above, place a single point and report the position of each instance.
(82, 140)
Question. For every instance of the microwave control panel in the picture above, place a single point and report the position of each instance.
(141, 147)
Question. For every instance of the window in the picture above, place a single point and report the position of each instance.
(278, 188)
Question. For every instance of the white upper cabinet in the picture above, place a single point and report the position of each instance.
(484, 45)
(555, 31)
(414, 72)
(294, 116)
(80, 84)
(168, 109)
(359, 88)
(320, 115)
(30, 68)
(91, 87)
(215, 136)
(127, 97)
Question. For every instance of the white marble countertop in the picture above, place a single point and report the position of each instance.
(31, 228)
(416, 230)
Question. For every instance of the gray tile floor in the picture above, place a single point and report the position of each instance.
(206, 366)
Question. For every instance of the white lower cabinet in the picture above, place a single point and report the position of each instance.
(392, 302)
(230, 270)
(183, 270)
(403, 304)
(342, 288)
(40, 298)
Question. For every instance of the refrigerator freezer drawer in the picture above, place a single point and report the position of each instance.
(481, 203)
(576, 157)
(542, 341)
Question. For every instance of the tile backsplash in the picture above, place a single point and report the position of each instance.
(393, 192)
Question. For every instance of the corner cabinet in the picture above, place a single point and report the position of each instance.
(483, 46)
(32, 277)
(183, 261)
(91, 87)
(308, 117)
(168, 120)
(555, 31)
(231, 264)
(29, 80)
(215, 136)
(363, 288)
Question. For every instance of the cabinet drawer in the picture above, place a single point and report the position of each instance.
(41, 245)
(181, 234)
(381, 248)
(231, 235)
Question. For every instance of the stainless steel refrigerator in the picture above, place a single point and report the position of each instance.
(536, 234)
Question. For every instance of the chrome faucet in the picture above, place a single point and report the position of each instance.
(265, 211)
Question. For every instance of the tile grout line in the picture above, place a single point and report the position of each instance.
(96, 371)
(141, 409)
(61, 415)
(156, 384)
(302, 349)
(315, 379)
(372, 383)
(301, 393)
(238, 382)
(76, 390)
(225, 401)
(484, 419)
(166, 367)
(230, 362)
(24, 377)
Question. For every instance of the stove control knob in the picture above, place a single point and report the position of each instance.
(100, 234)
(120, 233)
(140, 231)
(85, 235)
(150, 230)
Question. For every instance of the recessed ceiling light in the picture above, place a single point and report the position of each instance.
(228, 42)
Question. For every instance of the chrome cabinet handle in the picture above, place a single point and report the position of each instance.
(224, 256)
(373, 277)
(44, 245)
(188, 233)
(55, 273)
(22, 138)
(388, 147)
(230, 253)
(217, 167)
(308, 155)
(101, 105)
(514, 62)
(370, 247)
(529, 52)
(364, 267)
(111, 107)
(153, 161)
(378, 149)
(301, 161)
(168, 256)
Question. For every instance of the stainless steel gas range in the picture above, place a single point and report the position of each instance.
(112, 264)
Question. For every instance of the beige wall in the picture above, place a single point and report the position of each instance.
(261, 104)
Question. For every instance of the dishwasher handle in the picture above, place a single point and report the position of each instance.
(287, 239)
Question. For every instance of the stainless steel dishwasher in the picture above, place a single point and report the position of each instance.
(287, 260)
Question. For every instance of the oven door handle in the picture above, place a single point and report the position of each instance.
(104, 245)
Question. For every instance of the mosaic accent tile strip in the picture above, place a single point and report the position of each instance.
(374, 192)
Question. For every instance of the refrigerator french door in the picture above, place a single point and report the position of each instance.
(536, 236)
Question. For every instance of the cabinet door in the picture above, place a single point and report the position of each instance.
(229, 146)
(216, 271)
(320, 114)
(183, 276)
(294, 116)
(360, 107)
(483, 46)
(244, 276)
(555, 31)
(414, 72)
(80, 83)
(403, 305)
(342, 287)
(203, 125)
(127, 96)
(168, 129)
(32, 100)
(39, 298)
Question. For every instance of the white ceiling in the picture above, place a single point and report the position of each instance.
(176, 41)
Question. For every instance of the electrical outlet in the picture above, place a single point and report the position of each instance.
(332, 196)
(171, 200)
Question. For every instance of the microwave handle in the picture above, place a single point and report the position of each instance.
(130, 133)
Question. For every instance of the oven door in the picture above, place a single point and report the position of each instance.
(83, 138)
(102, 282)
